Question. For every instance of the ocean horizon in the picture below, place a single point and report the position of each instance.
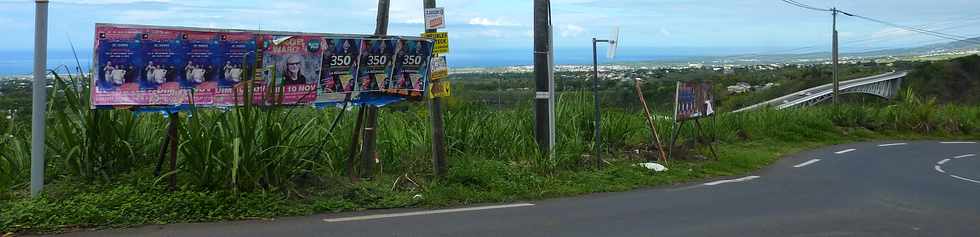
(20, 62)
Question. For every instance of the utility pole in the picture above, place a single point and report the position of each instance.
(835, 55)
(370, 140)
(542, 74)
(438, 131)
(40, 96)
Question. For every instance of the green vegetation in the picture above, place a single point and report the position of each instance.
(256, 162)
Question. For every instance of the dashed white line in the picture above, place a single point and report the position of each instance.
(845, 151)
(964, 156)
(958, 142)
(369, 217)
(943, 161)
(940, 169)
(743, 179)
(964, 179)
(806, 163)
(893, 144)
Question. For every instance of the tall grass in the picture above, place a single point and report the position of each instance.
(286, 149)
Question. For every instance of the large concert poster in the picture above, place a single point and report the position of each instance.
(237, 53)
(296, 61)
(340, 60)
(202, 67)
(163, 51)
(376, 64)
(117, 64)
(411, 68)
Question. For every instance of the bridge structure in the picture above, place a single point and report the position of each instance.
(885, 85)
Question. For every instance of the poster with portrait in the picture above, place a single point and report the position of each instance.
(340, 60)
(163, 51)
(375, 66)
(236, 54)
(117, 63)
(411, 72)
(200, 79)
(296, 61)
(693, 100)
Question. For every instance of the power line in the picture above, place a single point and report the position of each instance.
(798, 4)
(918, 30)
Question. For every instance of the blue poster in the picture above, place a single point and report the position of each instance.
(340, 60)
(117, 66)
(411, 68)
(163, 51)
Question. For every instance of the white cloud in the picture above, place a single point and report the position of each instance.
(482, 21)
(571, 30)
(665, 32)
(891, 32)
(108, 2)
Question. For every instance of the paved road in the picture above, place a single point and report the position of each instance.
(896, 188)
(822, 90)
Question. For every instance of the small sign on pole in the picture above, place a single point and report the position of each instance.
(435, 18)
(440, 69)
(442, 41)
(438, 87)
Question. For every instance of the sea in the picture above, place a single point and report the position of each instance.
(19, 62)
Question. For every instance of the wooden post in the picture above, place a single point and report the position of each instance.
(174, 121)
(355, 145)
(438, 131)
(653, 125)
(370, 129)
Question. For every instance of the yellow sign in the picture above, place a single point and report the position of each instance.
(440, 69)
(442, 41)
(439, 89)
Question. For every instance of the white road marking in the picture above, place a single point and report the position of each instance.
(893, 144)
(958, 142)
(379, 216)
(940, 169)
(965, 156)
(806, 163)
(743, 179)
(964, 179)
(845, 151)
(943, 161)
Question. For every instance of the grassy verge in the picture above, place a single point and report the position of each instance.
(70, 206)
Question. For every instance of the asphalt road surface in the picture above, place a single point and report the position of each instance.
(926, 188)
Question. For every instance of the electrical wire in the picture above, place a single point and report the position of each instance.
(798, 4)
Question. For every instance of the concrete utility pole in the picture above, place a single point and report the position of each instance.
(40, 96)
(543, 75)
(370, 140)
(835, 54)
(438, 131)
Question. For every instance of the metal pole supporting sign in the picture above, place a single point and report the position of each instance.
(40, 96)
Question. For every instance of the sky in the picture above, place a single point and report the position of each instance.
(501, 29)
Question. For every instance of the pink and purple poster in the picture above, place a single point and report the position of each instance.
(163, 51)
(236, 52)
(117, 69)
(200, 78)
(295, 62)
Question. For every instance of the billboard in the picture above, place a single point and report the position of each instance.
(153, 66)
(693, 100)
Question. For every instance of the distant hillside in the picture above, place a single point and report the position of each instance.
(956, 80)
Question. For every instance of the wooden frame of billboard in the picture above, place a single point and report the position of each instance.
(679, 124)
